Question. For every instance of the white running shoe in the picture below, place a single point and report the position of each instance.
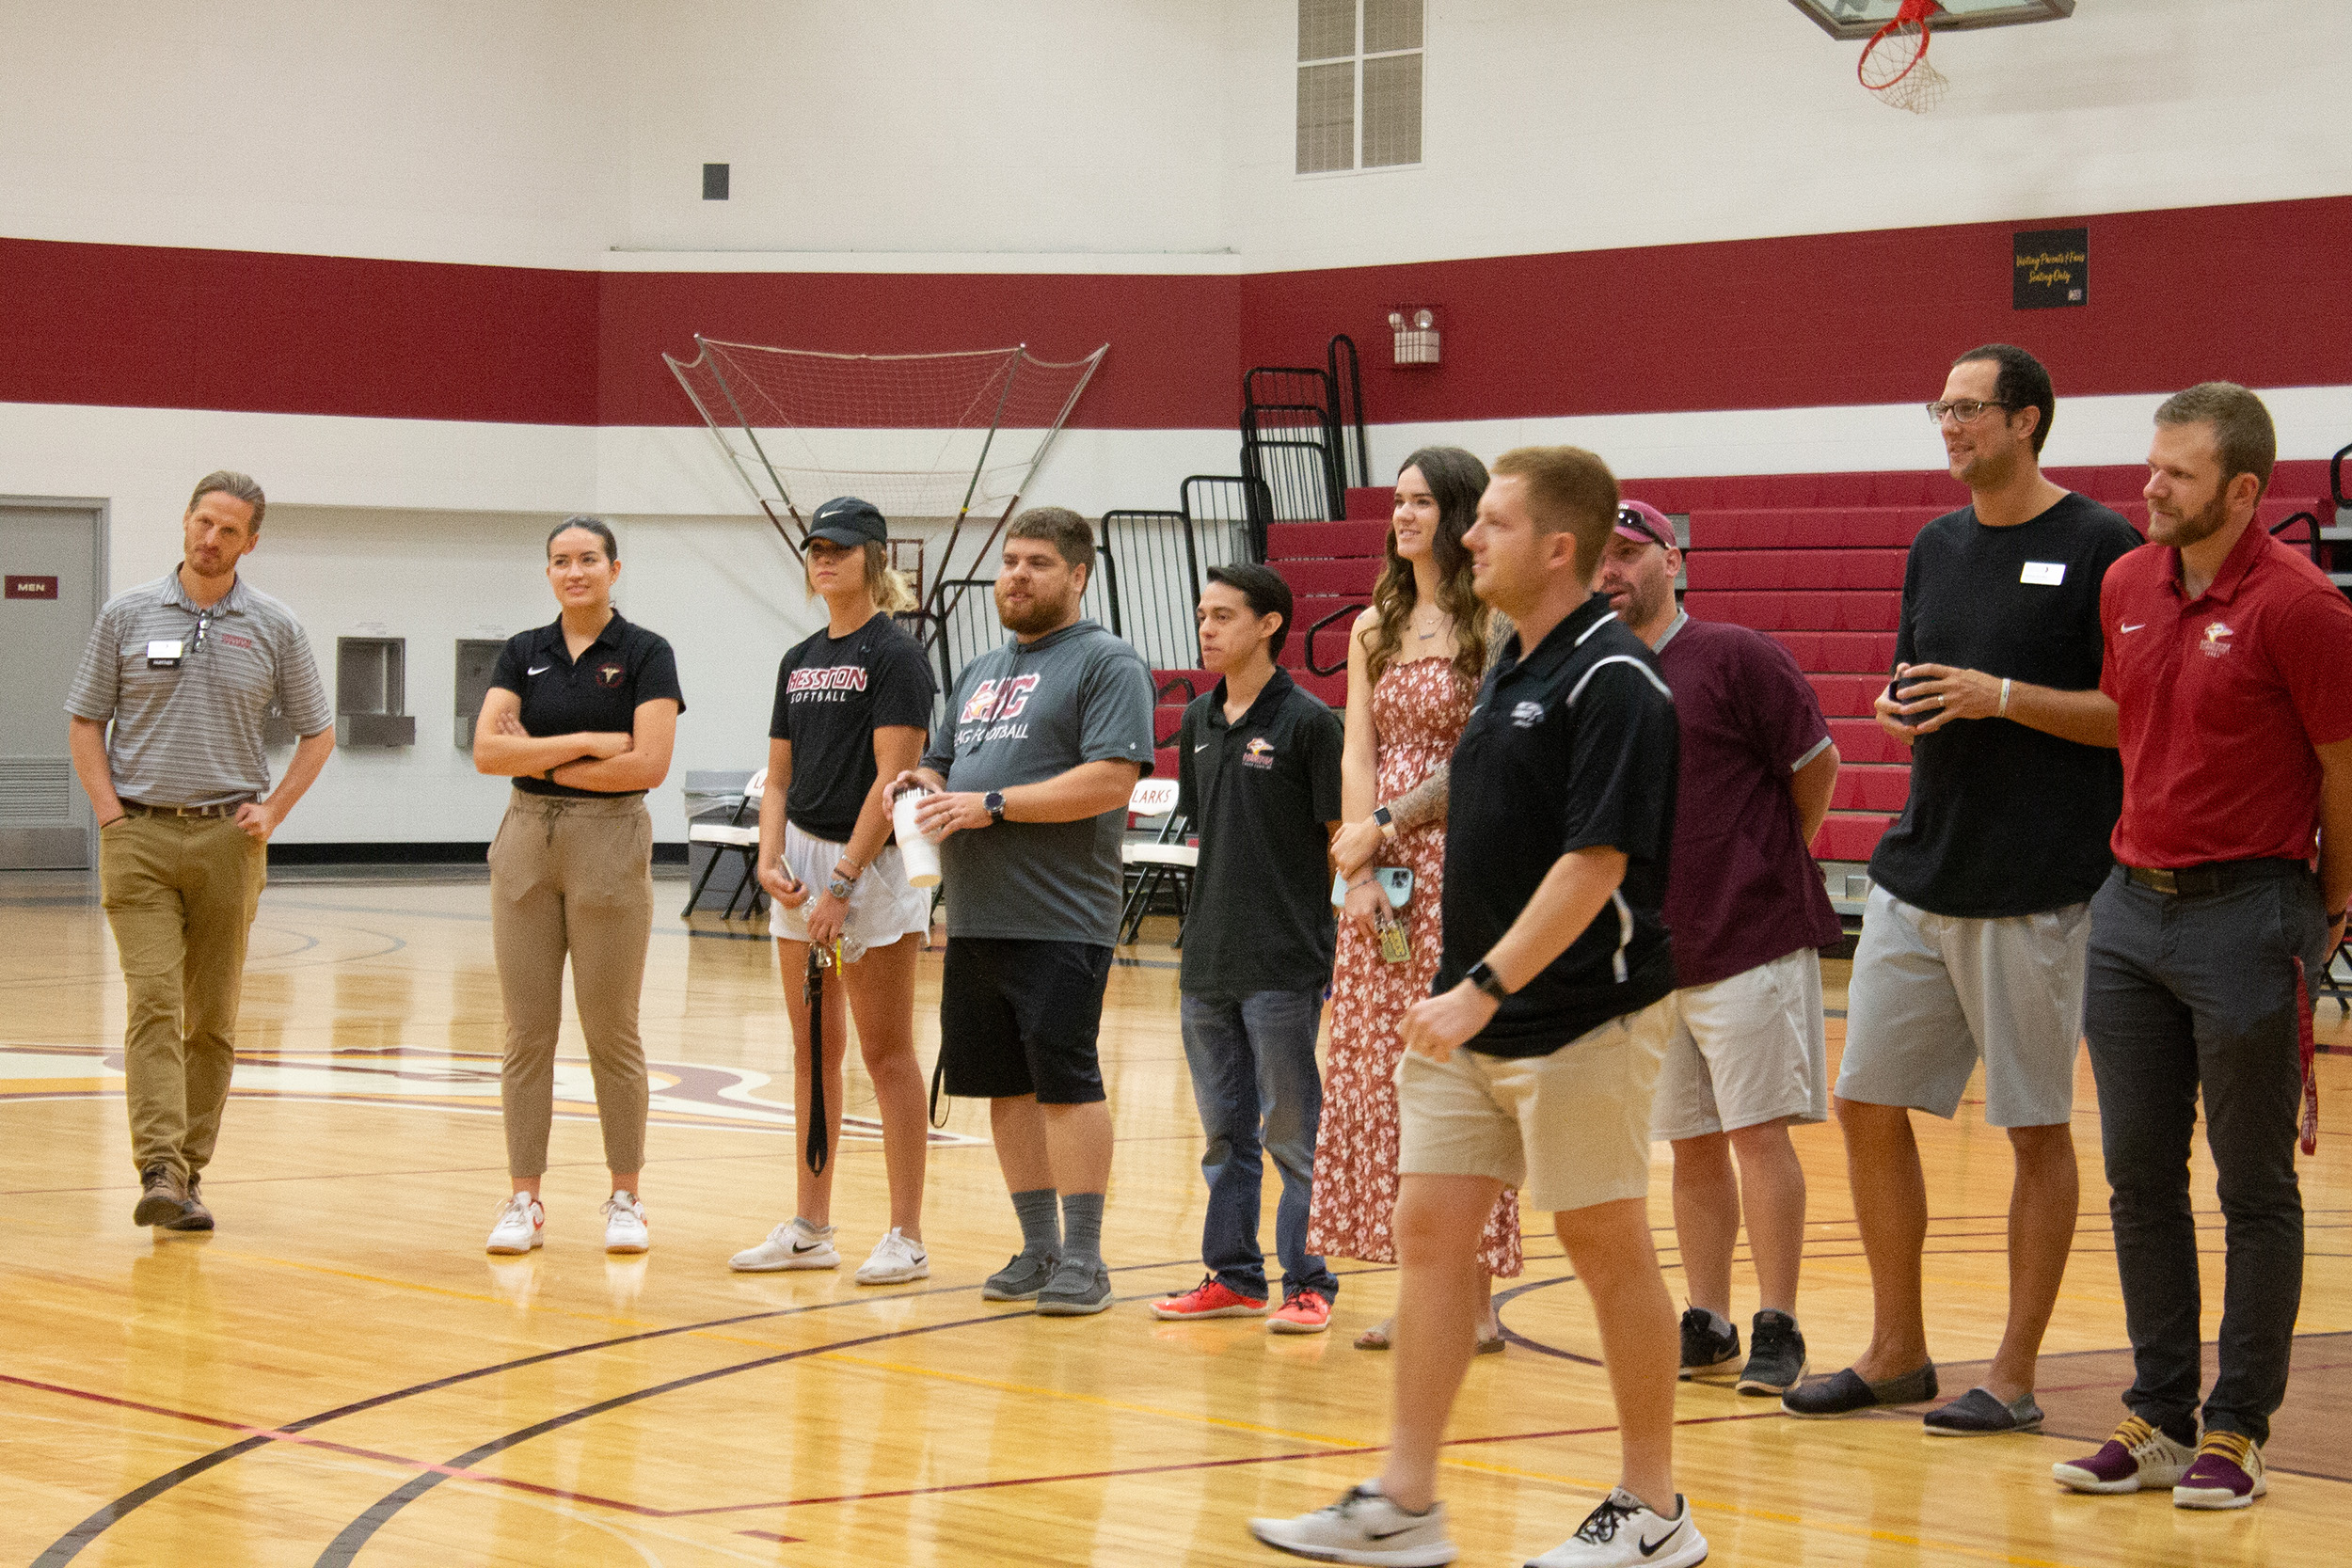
(1623, 1531)
(521, 1226)
(625, 1224)
(895, 1261)
(1363, 1527)
(796, 1244)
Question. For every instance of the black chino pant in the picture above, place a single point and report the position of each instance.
(2191, 992)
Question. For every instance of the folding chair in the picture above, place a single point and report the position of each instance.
(733, 835)
(1156, 858)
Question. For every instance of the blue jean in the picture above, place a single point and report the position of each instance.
(1253, 1076)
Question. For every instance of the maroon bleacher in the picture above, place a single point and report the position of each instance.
(1815, 560)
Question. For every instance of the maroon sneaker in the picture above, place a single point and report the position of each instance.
(2228, 1473)
(2136, 1456)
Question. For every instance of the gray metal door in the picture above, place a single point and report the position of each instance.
(53, 581)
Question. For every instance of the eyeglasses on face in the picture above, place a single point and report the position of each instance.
(1962, 410)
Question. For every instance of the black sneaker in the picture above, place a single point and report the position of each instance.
(1775, 1354)
(1080, 1287)
(1703, 1349)
(1021, 1278)
(162, 1196)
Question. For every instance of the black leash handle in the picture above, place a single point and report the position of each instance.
(813, 991)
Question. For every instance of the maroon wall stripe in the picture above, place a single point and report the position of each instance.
(2252, 292)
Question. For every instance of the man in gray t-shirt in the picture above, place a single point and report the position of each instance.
(1043, 741)
(165, 737)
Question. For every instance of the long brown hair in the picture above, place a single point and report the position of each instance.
(1455, 481)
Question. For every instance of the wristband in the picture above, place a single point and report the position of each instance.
(1387, 820)
(2004, 711)
(1486, 979)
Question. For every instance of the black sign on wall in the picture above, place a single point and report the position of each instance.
(2053, 268)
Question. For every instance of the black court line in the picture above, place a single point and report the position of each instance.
(67, 1546)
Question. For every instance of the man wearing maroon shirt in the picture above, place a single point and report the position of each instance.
(1745, 1055)
(2226, 656)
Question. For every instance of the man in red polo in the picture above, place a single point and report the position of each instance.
(2227, 654)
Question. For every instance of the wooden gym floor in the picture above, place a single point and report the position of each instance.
(341, 1374)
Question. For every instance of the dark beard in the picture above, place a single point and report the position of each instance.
(1043, 615)
(2198, 528)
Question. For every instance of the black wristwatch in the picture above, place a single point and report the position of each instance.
(1486, 979)
(995, 801)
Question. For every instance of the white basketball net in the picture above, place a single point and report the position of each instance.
(1895, 66)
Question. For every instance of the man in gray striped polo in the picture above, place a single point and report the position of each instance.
(166, 739)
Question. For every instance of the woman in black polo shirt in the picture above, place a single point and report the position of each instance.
(581, 715)
(854, 703)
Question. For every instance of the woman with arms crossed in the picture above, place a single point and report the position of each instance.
(581, 715)
(854, 703)
(1414, 661)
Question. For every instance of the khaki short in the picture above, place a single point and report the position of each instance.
(1570, 1128)
(1747, 1050)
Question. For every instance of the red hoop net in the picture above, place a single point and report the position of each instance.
(1894, 63)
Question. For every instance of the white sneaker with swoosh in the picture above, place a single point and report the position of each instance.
(1623, 1533)
(1363, 1527)
(794, 1244)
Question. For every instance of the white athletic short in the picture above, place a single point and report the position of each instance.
(1744, 1051)
(1930, 993)
(882, 907)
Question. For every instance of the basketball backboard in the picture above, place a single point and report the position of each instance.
(1859, 19)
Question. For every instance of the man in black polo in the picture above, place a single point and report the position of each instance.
(1258, 776)
(1555, 971)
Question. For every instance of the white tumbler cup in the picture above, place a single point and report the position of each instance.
(918, 854)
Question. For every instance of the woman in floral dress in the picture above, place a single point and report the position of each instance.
(1414, 663)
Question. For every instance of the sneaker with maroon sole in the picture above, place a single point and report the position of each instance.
(2138, 1457)
(1304, 1313)
(1211, 1298)
(2227, 1473)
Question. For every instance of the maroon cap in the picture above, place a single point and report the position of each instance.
(1644, 523)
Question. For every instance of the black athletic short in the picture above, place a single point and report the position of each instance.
(1021, 1017)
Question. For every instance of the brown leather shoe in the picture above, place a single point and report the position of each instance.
(193, 1214)
(162, 1196)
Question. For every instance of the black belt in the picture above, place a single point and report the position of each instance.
(224, 808)
(2203, 882)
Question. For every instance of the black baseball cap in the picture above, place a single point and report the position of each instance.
(849, 521)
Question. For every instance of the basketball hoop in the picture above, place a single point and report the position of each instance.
(1894, 64)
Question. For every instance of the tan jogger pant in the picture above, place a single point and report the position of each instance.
(180, 892)
(572, 877)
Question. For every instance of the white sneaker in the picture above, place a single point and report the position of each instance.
(1363, 1527)
(796, 1244)
(521, 1226)
(1622, 1532)
(895, 1261)
(625, 1224)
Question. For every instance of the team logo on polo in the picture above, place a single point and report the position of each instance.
(1002, 698)
(1257, 753)
(1526, 714)
(609, 675)
(2217, 643)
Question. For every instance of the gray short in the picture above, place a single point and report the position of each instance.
(1930, 993)
(1744, 1051)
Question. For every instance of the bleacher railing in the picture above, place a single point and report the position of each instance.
(1290, 441)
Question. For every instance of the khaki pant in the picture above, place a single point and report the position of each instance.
(572, 877)
(180, 892)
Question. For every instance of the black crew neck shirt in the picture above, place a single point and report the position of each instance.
(2003, 820)
(1572, 745)
(831, 694)
(1260, 793)
(600, 690)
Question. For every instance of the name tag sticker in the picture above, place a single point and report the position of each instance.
(2043, 574)
(164, 654)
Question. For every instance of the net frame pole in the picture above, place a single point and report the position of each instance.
(979, 467)
(719, 375)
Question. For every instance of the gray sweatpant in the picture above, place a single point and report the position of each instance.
(572, 877)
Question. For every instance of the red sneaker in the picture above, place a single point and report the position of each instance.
(1208, 1299)
(1305, 1312)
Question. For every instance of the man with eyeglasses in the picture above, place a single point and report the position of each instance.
(1746, 1052)
(165, 737)
(1974, 939)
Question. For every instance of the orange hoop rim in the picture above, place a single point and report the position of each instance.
(1911, 11)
